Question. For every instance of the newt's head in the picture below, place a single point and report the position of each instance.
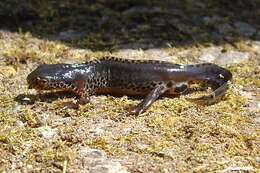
(50, 77)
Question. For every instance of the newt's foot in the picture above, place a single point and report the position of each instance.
(83, 101)
(136, 110)
(71, 105)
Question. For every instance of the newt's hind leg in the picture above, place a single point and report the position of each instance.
(148, 101)
(170, 86)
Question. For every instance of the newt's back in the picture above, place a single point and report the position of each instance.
(137, 76)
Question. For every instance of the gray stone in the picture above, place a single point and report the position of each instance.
(257, 120)
(18, 123)
(244, 29)
(140, 9)
(256, 46)
(232, 57)
(206, 19)
(47, 132)
(95, 161)
(224, 28)
(216, 36)
(68, 34)
(158, 53)
(136, 46)
(258, 35)
(215, 55)
(96, 131)
(55, 120)
(109, 167)
(209, 54)
(211, 20)
(258, 159)
(92, 153)
(45, 117)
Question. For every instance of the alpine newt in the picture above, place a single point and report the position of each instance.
(132, 77)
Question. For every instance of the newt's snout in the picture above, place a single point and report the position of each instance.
(43, 77)
(37, 82)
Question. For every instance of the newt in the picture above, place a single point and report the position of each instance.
(151, 78)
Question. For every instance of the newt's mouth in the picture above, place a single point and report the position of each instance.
(38, 83)
(35, 86)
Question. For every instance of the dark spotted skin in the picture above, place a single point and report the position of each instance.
(134, 77)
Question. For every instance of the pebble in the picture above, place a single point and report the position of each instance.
(257, 120)
(70, 34)
(244, 29)
(140, 9)
(95, 160)
(47, 132)
(109, 167)
(67, 34)
(211, 20)
(92, 153)
(258, 159)
(215, 55)
(18, 123)
(224, 28)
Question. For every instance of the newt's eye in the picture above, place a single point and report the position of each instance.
(221, 76)
(44, 81)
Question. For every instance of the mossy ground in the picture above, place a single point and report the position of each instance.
(173, 135)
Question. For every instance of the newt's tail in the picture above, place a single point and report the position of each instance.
(217, 77)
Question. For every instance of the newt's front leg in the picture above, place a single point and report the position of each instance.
(71, 105)
(79, 88)
(148, 101)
